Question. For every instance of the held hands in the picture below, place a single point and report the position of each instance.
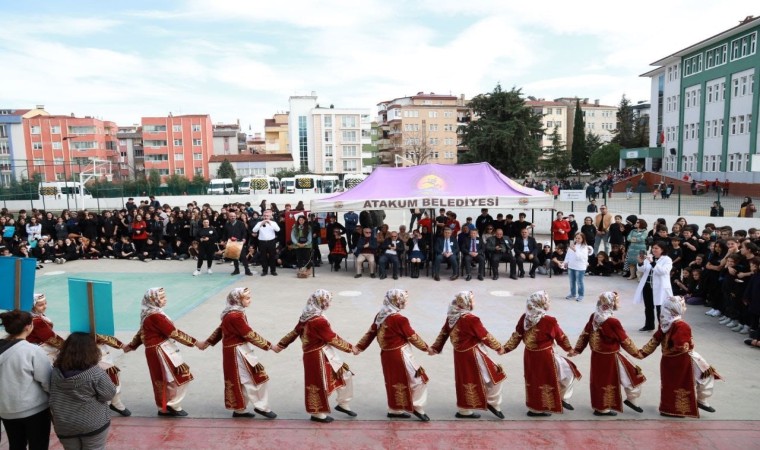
(432, 352)
(572, 353)
(640, 355)
(276, 348)
(126, 348)
(201, 345)
(501, 351)
(355, 351)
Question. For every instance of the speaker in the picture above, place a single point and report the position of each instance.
(673, 151)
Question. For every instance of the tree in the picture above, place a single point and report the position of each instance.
(605, 157)
(624, 133)
(177, 184)
(226, 170)
(289, 173)
(555, 161)
(415, 148)
(154, 180)
(641, 131)
(198, 185)
(593, 142)
(579, 153)
(507, 133)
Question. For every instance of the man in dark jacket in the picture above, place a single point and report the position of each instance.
(235, 231)
(446, 249)
(526, 249)
(500, 249)
(474, 251)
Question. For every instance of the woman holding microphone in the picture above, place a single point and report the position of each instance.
(654, 287)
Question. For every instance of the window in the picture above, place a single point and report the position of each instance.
(448, 127)
(350, 136)
(411, 113)
(196, 127)
(179, 171)
(558, 123)
(36, 145)
(39, 162)
(177, 128)
(716, 56)
(448, 155)
(55, 129)
(433, 127)
(57, 146)
(448, 114)
(744, 46)
(448, 141)
(328, 136)
(197, 156)
(433, 141)
(35, 129)
(736, 87)
(199, 170)
(179, 156)
(178, 142)
(196, 142)
(149, 143)
(549, 124)
(329, 166)
(432, 114)
(348, 121)
(327, 120)
(733, 124)
(557, 111)
(741, 124)
(148, 128)
(692, 65)
(349, 151)
(411, 127)
(350, 165)
(328, 151)
(720, 128)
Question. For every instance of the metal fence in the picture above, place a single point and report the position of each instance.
(680, 203)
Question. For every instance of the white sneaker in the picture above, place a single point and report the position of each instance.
(209, 271)
(724, 320)
(196, 273)
(732, 324)
(716, 313)
(710, 312)
(570, 297)
(744, 330)
(737, 328)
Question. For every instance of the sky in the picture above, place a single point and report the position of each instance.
(242, 60)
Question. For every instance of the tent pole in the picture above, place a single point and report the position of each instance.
(551, 242)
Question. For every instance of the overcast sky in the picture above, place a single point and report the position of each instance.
(243, 59)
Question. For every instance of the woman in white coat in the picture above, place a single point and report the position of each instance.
(654, 287)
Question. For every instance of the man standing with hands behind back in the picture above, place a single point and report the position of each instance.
(602, 221)
(235, 230)
(267, 230)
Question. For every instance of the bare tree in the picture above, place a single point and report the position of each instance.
(415, 148)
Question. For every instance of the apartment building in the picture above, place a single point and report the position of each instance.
(12, 146)
(704, 98)
(597, 118)
(132, 156)
(276, 134)
(61, 147)
(327, 140)
(253, 165)
(420, 129)
(555, 114)
(228, 139)
(180, 145)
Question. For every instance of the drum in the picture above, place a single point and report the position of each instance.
(233, 250)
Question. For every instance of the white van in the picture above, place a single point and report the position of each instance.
(352, 179)
(220, 186)
(244, 187)
(309, 183)
(262, 185)
(330, 184)
(59, 189)
(288, 185)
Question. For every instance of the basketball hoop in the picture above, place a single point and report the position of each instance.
(109, 177)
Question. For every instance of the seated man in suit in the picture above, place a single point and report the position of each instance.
(446, 249)
(526, 249)
(500, 250)
(472, 249)
(391, 250)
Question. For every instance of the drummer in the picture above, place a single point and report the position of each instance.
(236, 235)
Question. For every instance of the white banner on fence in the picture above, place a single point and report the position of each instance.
(572, 195)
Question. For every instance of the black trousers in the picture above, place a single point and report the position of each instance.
(649, 307)
(32, 431)
(243, 259)
(268, 252)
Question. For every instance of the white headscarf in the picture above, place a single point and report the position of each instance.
(671, 311)
(39, 298)
(318, 302)
(461, 305)
(535, 309)
(234, 300)
(605, 307)
(150, 303)
(394, 301)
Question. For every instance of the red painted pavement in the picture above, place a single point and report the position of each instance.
(166, 433)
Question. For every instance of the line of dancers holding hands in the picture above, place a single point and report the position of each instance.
(686, 378)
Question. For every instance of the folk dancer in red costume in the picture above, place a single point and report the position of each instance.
(42, 334)
(549, 377)
(477, 378)
(686, 378)
(324, 371)
(609, 367)
(245, 380)
(168, 372)
(405, 380)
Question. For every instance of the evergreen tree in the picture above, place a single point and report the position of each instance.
(506, 133)
(593, 142)
(555, 160)
(579, 153)
(605, 157)
(226, 170)
(641, 131)
(154, 181)
(624, 133)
